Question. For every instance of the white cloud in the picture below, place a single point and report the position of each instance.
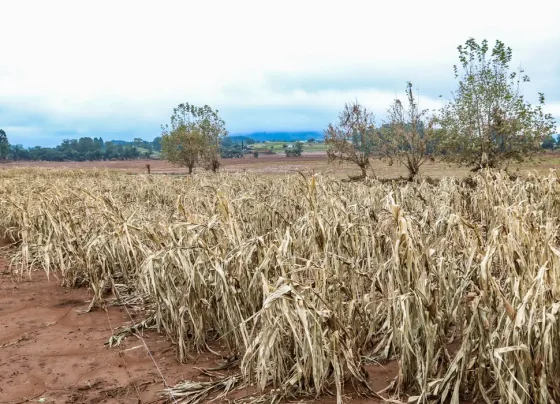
(554, 109)
(129, 61)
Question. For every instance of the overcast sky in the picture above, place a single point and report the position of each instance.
(117, 69)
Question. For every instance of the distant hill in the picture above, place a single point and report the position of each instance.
(258, 137)
(282, 136)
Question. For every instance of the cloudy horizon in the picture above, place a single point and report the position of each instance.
(117, 69)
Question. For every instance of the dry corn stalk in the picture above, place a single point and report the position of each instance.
(308, 279)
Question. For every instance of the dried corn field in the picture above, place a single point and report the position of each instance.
(306, 280)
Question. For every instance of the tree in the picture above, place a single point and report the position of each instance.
(110, 150)
(18, 152)
(407, 137)
(85, 144)
(182, 146)
(488, 122)
(156, 144)
(354, 139)
(549, 143)
(295, 151)
(194, 135)
(210, 155)
(4, 145)
(231, 150)
(98, 143)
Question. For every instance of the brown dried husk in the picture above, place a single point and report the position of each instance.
(306, 279)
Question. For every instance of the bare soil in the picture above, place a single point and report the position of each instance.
(275, 163)
(52, 354)
(278, 164)
(48, 350)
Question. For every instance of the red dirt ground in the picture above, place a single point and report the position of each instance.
(49, 353)
(263, 164)
(48, 350)
(279, 164)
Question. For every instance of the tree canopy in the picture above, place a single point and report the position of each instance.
(354, 138)
(193, 137)
(408, 136)
(4, 145)
(295, 151)
(488, 122)
(84, 149)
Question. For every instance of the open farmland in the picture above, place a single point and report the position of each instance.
(278, 147)
(305, 284)
(280, 165)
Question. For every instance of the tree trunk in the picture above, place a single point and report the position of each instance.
(364, 171)
(412, 173)
(215, 166)
(190, 169)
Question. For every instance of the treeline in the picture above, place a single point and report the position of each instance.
(235, 146)
(86, 149)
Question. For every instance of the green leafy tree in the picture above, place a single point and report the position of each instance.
(4, 145)
(295, 151)
(156, 144)
(98, 143)
(354, 139)
(488, 122)
(85, 144)
(110, 151)
(194, 136)
(408, 136)
(18, 152)
(549, 143)
(231, 150)
(182, 146)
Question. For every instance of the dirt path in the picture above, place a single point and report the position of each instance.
(51, 354)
